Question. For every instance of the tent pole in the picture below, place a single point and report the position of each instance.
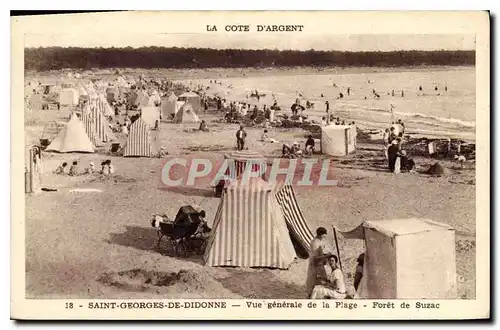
(337, 246)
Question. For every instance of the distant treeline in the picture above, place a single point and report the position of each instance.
(161, 57)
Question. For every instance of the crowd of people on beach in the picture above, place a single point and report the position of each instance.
(396, 157)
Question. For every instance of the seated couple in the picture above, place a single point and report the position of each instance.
(329, 285)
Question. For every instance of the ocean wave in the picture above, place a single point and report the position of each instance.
(415, 115)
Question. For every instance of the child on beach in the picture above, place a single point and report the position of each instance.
(111, 168)
(73, 170)
(91, 168)
(104, 168)
(61, 169)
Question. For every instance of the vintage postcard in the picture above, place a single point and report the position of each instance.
(251, 165)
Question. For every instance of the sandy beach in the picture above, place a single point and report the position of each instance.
(102, 245)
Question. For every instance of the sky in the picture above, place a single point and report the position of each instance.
(281, 41)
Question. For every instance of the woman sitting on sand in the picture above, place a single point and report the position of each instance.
(265, 137)
(104, 168)
(333, 286)
(203, 126)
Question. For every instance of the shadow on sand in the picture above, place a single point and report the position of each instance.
(144, 238)
(260, 285)
(190, 191)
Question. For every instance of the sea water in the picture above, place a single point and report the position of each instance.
(444, 107)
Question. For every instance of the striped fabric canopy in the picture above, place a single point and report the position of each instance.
(139, 142)
(294, 218)
(249, 229)
(97, 126)
(241, 158)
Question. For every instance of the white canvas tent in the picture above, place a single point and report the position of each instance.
(338, 140)
(407, 259)
(169, 107)
(69, 96)
(186, 114)
(150, 115)
(72, 138)
(193, 99)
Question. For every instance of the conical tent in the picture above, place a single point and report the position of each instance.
(72, 138)
(249, 229)
(186, 114)
(140, 142)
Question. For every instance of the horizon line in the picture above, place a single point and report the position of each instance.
(257, 49)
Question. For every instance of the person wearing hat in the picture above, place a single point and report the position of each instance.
(240, 138)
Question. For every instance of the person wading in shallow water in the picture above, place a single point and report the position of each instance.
(240, 138)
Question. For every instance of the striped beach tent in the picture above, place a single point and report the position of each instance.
(97, 126)
(249, 229)
(294, 218)
(104, 106)
(242, 158)
(139, 142)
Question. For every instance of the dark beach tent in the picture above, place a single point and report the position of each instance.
(436, 169)
(187, 214)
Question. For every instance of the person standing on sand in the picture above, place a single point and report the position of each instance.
(385, 140)
(240, 138)
(318, 246)
(393, 153)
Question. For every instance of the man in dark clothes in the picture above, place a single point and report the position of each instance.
(240, 138)
(310, 145)
(393, 153)
(392, 135)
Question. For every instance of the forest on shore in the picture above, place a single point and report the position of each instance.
(53, 58)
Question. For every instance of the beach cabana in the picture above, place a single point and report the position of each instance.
(169, 106)
(150, 115)
(112, 94)
(338, 140)
(140, 142)
(193, 99)
(407, 259)
(69, 96)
